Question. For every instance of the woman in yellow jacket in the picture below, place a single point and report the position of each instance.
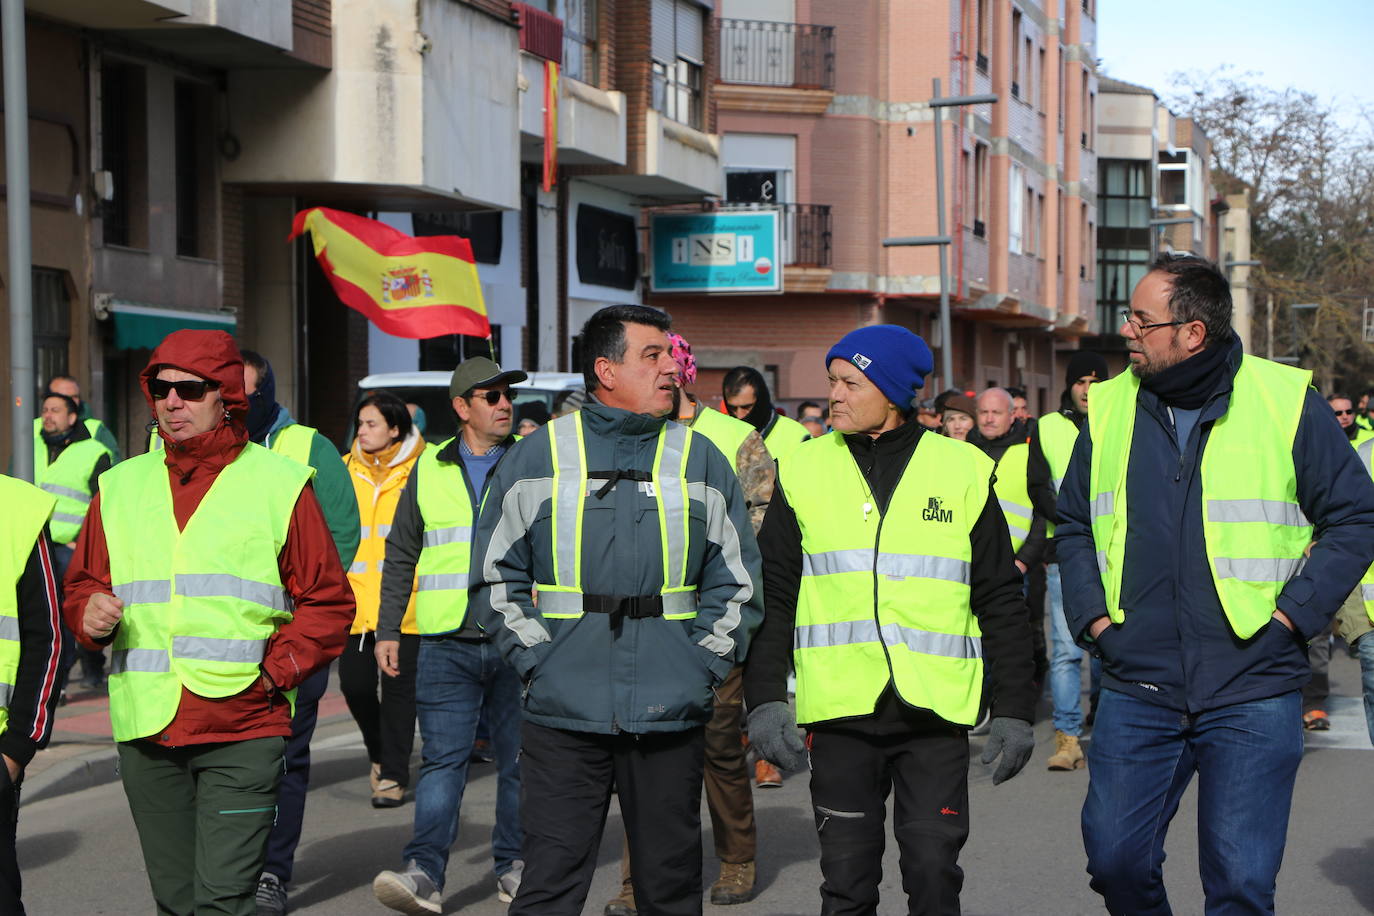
(379, 464)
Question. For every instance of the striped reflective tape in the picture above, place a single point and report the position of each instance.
(224, 585)
(1267, 511)
(455, 534)
(59, 490)
(441, 582)
(1257, 569)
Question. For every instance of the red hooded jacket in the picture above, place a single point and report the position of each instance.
(309, 564)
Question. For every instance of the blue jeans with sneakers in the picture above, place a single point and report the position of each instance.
(1140, 762)
(457, 680)
(1066, 661)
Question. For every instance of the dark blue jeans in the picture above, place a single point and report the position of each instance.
(1140, 761)
(295, 780)
(456, 681)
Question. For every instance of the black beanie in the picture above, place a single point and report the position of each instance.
(1085, 362)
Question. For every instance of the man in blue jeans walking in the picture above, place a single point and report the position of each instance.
(459, 674)
(1212, 520)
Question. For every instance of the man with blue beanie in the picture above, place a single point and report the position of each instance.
(888, 575)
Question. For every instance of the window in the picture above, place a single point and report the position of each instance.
(1085, 100)
(981, 30)
(124, 154)
(445, 352)
(194, 170)
(1016, 71)
(579, 40)
(1026, 70)
(980, 189)
(678, 47)
(756, 186)
(1040, 225)
(1028, 233)
(1043, 95)
(52, 324)
(1016, 191)
(1173, 179)
(1085, 242)
(482, 228)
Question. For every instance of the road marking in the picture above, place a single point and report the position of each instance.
(1348, 728)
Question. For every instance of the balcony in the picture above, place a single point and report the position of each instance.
(591, 121)
(805, 239)
(786, 67)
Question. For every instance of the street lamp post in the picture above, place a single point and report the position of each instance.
(942, 238)
(22, 387)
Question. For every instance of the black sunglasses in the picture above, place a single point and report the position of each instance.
(1344, 413)
(493, 397)
(187, 389)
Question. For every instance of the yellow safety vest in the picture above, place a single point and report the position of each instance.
(562, 598)
(376, 511)
(785, 437)
(1057, 437)
(69, 479)
(201, 603)
(441, 572)
(293, 441)
(1254, 529)
(1366, 452)
(1012, 493)
(885, 595)
(26, 512)
(725, 432)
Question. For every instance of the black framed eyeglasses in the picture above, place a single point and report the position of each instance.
(493, 397)
(1130, 319)
(186, 389)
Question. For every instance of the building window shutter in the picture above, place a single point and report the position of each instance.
(663, 35)
(690, 39)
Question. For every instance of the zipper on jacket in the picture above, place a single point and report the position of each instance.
(877, 551)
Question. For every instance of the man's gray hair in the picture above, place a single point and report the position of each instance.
(1011, 405)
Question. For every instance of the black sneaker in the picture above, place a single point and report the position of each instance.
(271, 896)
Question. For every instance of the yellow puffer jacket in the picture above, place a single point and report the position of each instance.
(376, 510)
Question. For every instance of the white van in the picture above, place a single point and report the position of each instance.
(430, 390)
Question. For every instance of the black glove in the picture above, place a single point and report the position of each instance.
(773, 734)
(1013, 739)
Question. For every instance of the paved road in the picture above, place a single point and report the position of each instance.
(80, 855)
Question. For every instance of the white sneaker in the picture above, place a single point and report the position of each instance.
(508, 885)
(409, 891)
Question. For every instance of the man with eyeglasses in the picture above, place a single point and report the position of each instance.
(1186, 532)
(208, 568)
(460, 675)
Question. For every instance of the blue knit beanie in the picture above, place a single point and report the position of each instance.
(892, 357)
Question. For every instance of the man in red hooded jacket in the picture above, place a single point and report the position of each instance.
(209, 569)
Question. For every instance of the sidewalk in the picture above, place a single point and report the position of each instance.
(81, 752)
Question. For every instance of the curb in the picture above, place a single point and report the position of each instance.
(96, 768)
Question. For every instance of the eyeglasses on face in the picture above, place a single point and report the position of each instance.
(186, 389)
(493, 397)
(1344, 413)
(1130, 319)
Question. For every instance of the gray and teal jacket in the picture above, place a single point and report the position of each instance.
(606, 672)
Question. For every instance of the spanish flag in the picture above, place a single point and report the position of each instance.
(409, 287)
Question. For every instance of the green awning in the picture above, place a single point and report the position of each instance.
(139, 326)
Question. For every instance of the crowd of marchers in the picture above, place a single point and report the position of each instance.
(653, 592)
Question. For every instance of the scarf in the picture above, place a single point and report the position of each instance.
(378, 464)
(1189, 384)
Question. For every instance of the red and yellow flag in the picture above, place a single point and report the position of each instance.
(409, 287)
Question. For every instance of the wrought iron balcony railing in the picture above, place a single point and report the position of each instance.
(805, 230)
(791, 54)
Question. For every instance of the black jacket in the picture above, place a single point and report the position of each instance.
(1176, 648)
(1037, 481)
(33, 701)
(996, 597)
(1041, 479)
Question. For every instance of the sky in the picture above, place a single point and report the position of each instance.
(1324, 47)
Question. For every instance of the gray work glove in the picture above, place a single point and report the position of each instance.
(1013, 739)
(773, 734)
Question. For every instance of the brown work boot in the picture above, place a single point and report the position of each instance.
(735, 884)
(1067, 754)
(623, 903)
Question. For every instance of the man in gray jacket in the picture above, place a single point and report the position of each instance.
(615, 567)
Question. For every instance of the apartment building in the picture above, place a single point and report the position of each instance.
(823, 116)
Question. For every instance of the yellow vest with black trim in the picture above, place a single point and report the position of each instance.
(377, 504)
(26, 512)
(562, 598)
(786, 436)
(1012, 493)
(885, 596)
(441, 573)
(725, 432)
(1057, 437)
(200, 603)
(69, 480)
(1253, 527)
(1366, 452)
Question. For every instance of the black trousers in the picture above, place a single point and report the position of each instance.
(566, 784)
(851, 776)
(388, 724)
(10, 902)
(295, 778)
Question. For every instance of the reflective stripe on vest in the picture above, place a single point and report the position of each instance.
(441, 572)
(562, 598)
(200, 603)
(1254, 530)
(69, 480)
(1012, 493)
(1057, 437)
(885, 597)
(1366, 452)
(21, 525)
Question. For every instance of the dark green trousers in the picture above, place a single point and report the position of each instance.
(203, 814)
